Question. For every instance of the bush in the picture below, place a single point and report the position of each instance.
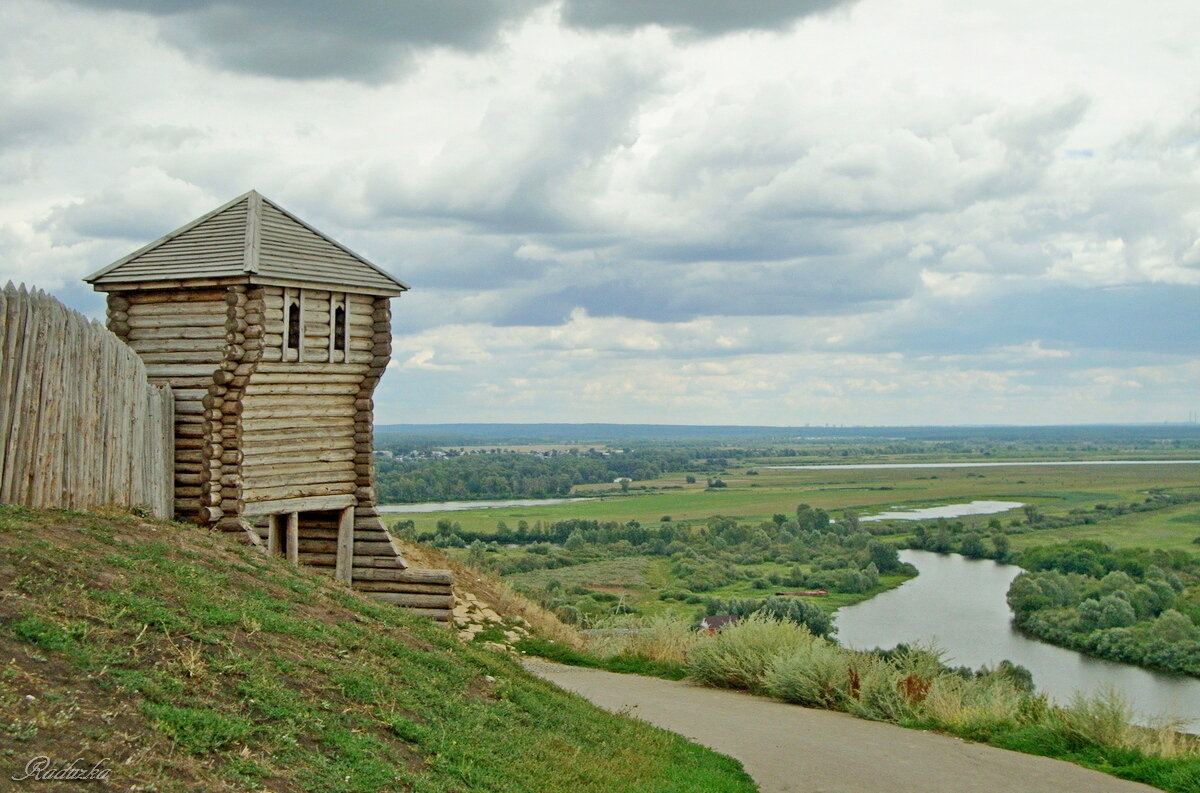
(818, 675)
(739, 655)
(800, 612)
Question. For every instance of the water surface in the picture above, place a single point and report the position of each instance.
(974, 464)
(959, 604)
(947, 511)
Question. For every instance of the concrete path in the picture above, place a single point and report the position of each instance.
(790, 749)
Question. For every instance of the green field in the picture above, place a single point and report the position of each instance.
(640, 579)
(1172, 528)
(754, 493)
(1054, 489)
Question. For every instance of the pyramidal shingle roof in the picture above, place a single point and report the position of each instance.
(253, 238)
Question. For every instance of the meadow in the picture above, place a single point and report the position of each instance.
(756, 492)
(596, 584)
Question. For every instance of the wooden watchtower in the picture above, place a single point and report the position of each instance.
(272, 337)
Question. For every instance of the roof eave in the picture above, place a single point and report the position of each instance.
(302, 283)
(168, 283)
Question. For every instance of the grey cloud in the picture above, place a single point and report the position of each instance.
(39, 119)
(705, 17)
(301, 39)
(674, 293)
(1133, 319)
(145, 206)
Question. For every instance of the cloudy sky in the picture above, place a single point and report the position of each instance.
(711, 212)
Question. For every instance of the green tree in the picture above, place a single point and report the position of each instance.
(885, 557)
(973, 547)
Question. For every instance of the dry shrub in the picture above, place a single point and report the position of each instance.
(665, 638)
(1102, 718)
(1167, 738)
(987, 702)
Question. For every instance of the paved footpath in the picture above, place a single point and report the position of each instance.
(790, 749)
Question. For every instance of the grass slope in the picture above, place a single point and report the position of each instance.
(186, 662)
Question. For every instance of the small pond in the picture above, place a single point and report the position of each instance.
(947, 511)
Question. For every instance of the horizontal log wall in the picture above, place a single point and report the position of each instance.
(299, 412)
(182, 336)
(80, 424)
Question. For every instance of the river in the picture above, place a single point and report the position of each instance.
(973, 464)
(959, 603)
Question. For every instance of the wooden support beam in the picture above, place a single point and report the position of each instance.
(299, 505)
(345, 546)
(273, 535)
(293, 537)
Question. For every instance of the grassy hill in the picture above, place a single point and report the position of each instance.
(183, 661)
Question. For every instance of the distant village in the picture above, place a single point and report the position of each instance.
(419, 454)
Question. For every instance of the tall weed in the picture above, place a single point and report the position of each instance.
(816, 674)
(1102, 718)
(665, 638)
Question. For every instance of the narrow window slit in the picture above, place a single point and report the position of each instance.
(293, 326)
(339, 328)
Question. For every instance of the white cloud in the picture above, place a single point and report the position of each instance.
(597, 207)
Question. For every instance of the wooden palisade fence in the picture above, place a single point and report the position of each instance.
(80, 425)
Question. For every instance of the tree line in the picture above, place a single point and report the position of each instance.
(1132, 605)
(504, 475)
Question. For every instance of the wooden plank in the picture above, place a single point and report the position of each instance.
(176, 296)
(407, 576)
(325, 368)
(401, 586)
(178, 308)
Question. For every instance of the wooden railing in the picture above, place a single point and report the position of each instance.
(80, 426)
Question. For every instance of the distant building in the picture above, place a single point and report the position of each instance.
(715, 622)
(622, 480)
